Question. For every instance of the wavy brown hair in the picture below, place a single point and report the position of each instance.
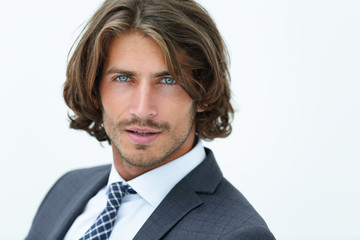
(188, 38)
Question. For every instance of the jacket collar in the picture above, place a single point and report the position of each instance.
(182, 199)
(90, 185)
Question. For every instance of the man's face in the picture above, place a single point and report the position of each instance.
(147, 115)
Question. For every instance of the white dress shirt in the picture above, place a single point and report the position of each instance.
(135, 209)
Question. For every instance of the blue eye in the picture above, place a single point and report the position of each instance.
(122, 78)
(168, 80)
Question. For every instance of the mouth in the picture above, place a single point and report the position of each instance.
(142, 135)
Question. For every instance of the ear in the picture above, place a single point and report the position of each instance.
(200, 109)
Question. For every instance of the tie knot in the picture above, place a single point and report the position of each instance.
(117, 191)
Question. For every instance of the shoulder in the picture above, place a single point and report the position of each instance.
(243, 221)
(78, 174)
(229, 215)
(87, 171)
(74, 179)
(224, 212)
(66, 199)
(71, 182)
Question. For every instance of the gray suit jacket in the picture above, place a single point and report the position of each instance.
(203, 205)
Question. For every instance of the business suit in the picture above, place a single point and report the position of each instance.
(203, 205)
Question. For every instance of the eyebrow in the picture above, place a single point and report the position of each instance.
(116, 70)
(162, 74)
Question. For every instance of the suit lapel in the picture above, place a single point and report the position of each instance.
(175, 206)
(182, 199)
(88, 186)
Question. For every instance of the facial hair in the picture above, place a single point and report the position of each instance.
(165, 127)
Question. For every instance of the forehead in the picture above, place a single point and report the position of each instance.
(136, 53)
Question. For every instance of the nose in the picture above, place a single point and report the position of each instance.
(142, 101)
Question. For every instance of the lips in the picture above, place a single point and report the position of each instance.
(142, 135)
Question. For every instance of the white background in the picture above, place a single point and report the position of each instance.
(294, 151)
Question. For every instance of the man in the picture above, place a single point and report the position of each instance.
(150, 77)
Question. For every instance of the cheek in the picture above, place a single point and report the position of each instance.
(177, 105)
(179, 97)
(113, 104)
(180, 111)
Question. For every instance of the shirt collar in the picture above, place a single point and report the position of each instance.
(154, 185)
